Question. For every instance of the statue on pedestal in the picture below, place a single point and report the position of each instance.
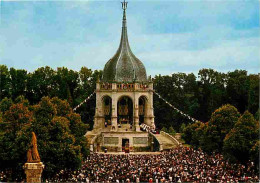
(33, 167)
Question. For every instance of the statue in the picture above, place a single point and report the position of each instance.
(32, 153)
(33, 167)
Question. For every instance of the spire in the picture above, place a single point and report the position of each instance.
(124, 38)
(124, 7)
(124, 66)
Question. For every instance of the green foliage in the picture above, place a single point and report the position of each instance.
(18, 81)
(4, 82)
(238, 89)
(210, 136)
(242, 138)
(183, 126)
(219, 125)
(5, 104)
(224, 119)
(198, 97)
(14, 137)
(171, 131)
(254, 153)
(42, 82)
(21, 99)
(211, 139)
(60, 134)
(192, 133)
(164, 129)
(257, 115)
(179, 89)
(62, 107)
(212, 93)
(253, 93)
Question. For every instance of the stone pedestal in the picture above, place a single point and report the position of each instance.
(33, 171)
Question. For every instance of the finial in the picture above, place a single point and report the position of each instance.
(124, 5)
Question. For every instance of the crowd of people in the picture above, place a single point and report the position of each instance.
(182, 164)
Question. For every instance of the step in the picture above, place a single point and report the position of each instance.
(167, 143)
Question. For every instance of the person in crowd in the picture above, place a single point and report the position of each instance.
(182, 164)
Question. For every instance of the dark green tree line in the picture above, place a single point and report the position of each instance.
(198, 96)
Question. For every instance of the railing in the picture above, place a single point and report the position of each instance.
(160, 144)
(124, 86)
(170, 136)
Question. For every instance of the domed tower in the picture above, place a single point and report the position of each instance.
(124, 98)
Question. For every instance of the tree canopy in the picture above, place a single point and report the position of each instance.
(197, 96)
(60, 134)
(227, 132)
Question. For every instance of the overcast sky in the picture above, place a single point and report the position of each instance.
(167, 36)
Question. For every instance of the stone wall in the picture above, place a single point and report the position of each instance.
(111, 140)
(140, 140)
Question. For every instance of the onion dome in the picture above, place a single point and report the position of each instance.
(124, 66)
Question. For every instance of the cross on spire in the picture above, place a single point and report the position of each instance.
(124, 5)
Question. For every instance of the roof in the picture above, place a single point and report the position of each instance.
(124, 66)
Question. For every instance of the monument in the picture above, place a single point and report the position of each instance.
(124, 101)
(33, 167)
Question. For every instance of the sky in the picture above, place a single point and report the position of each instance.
(167, 36)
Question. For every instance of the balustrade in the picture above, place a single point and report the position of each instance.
(124, 86)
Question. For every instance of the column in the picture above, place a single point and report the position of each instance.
(99, 116)
(114, 112)
(136, 112)
(151, 115)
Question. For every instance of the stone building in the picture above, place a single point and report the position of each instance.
(124, 100)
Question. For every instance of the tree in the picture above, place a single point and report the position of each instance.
(164, 129)
(183, 126)
(4, 82)
(222, 121)
(78, 129)
(171, 131)
(257, 115)
(237, 89)
(192, 134)
(18, 80)
(211, 92)
(41, 83)
(254, 153)
(5, 104)
(210, 139)
(67, 82)
(253, 93)
(180, 90)
(62, 106)
(60, 134)
(242, 138)
(14, 138)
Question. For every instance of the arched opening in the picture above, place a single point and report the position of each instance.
(107, 107)
(125, 112)
(142, 108)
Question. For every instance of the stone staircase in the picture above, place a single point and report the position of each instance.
(166, 142)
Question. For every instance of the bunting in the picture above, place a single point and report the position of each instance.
(179, 111)
(84, 101)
